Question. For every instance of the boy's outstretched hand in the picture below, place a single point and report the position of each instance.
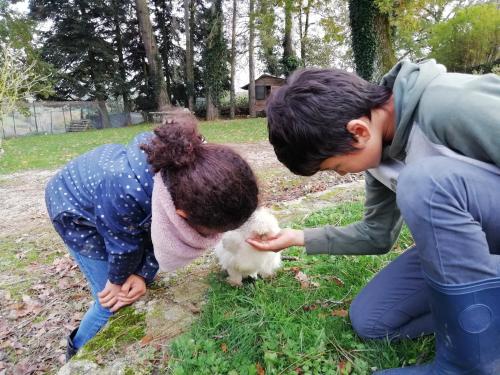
(285, 238)
(114, 297)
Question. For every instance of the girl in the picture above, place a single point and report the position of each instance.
(125, 211)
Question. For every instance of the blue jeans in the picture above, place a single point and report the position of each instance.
(453, 211)
(96, 273)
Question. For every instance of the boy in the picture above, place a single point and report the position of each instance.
(429, 142)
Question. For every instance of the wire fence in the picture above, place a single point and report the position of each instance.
(59, 117)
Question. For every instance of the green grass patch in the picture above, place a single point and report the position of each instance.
(282, 328)
(54, 150)
(124, 328)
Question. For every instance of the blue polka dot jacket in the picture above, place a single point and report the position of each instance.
(100, 204)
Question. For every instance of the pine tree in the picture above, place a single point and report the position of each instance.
(79, 46)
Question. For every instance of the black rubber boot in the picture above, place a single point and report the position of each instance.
(70, 348)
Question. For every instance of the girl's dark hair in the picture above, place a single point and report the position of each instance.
(211, 183)
(307, 116)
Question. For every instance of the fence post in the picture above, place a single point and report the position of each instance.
(51, 132)
(64, 118)
(70, 115)
(3, 128)
(14, 120)
(34, 112)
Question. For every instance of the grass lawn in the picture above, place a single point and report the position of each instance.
(54, 150)
(280, 327)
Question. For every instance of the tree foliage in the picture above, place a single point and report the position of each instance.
(18, 81)
(79, 45)
(468, 41)
(267, 29)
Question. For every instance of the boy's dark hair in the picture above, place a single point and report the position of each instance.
(212, 183)
(307, 117)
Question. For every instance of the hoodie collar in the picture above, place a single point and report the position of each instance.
(408, 81)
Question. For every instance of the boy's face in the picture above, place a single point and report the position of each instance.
(368, 151)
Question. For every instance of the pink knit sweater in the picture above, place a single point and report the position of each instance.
(175, 242)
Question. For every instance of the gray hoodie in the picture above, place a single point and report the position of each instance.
(437, 113)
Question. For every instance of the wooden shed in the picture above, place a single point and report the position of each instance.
(264, 85)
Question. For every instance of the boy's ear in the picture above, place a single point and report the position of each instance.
(181, 213)
(360, 129)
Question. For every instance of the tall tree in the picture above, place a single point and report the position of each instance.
(304, 10)
(289, 61)
(469, 41)
(155, 65)
(18, 80)
(168, 29)
(364, 43)
(251, 63)
(79, 45)
(215, 60)
(123, 89)
(326, 43)
(265, 22)
(232, 93)
(189, 53)
(385, 56)
(16, 35)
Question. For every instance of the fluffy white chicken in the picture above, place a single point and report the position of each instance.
(239, 258)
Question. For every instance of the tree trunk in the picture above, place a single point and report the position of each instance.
(251, 62)
(188, 11)
(232, 93)
(287, 39)
(152, 54)
(385, 56)
(304, 31)
(166, 46)
(121, 63)
(103, 110)
(212, 111)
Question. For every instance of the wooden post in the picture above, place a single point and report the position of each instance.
(14, 120)
(34, 112)
(51, 132)
(64, 119)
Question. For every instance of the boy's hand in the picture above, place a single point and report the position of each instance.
(285, 238)
(108, 297)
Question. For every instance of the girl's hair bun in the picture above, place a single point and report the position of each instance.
(176, 143)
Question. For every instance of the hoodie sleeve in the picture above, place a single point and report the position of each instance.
(375, 234)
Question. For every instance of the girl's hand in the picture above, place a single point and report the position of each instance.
(285, 238)
(133, 289)
(108, 297)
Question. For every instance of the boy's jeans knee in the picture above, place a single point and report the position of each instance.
(96, 273)
(395, 303)
(453, 211)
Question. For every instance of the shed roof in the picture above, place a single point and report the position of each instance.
(265, 75)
